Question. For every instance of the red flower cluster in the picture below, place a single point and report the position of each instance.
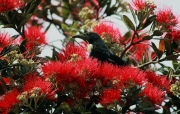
(110, 96)
(175, 34)
(72, 52)
(35, 37)
(153, 94)
(85, 76)
(139, 5)
(159, 81)
(37, 85)
(6, 5)
(107, 29)
(8, 101)
(166, 18)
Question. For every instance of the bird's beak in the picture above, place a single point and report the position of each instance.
(81, 36)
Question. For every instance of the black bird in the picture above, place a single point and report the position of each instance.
(98, 48)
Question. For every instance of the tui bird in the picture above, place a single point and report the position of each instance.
(98, 48)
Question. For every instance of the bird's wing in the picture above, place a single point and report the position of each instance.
(100, 51)
(116, 59)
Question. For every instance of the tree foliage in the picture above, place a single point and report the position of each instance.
(71, 82)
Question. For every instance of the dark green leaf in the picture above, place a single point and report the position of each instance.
(157, 52)
(157, 33)
(54, 54)
(8, 72)
(147, 37)
(3, 64)
(9, 48)
(39, 14)
(48, 1)
(148, 21)
(127, 35)
(22, 46)
(65, 107)
(15, 36)
(175, 64)
(25, 20)
(133, 14)
(128, 22)
(149, 110)
(31, 8)
(171, 57)
(167, 47)
(106, 111)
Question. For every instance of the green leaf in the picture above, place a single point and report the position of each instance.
(105, 111)
(8, 72)
(133, 14)
(128, 22)
(64, 27)
(175, 64)
(31, 7)
(3, 64)
(167, 47)
(171, 57)
(157, 33)
(148, 21)
(147, 37)
(127, 35)
(157, 52)
(22, 46)
(25, 20)
(66, 108)
(54, 54)
(9, 48)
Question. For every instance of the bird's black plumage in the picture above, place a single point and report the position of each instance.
(99, 49)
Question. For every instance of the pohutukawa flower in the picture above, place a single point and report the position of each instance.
(166, 18)
(153, 94)
(107, 29)
(34, 83)
(110, 96)
(160, 81)
(140, 5)
(35, 36)
(72, 52)
(175, 34)
(134, 75)
(7, 5)
(8, 101)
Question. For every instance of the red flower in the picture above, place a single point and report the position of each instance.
(10, 4)
(160, 81)
(110, 96)
(8, 101)
(175, 33)
(72, 52)
(79, 75)
(166, 18)
(35, 37)
(94, 2)
(33, 83)
(4, 40)
(107, 30)
(133, 75)
(142, 5)
(153, 94)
